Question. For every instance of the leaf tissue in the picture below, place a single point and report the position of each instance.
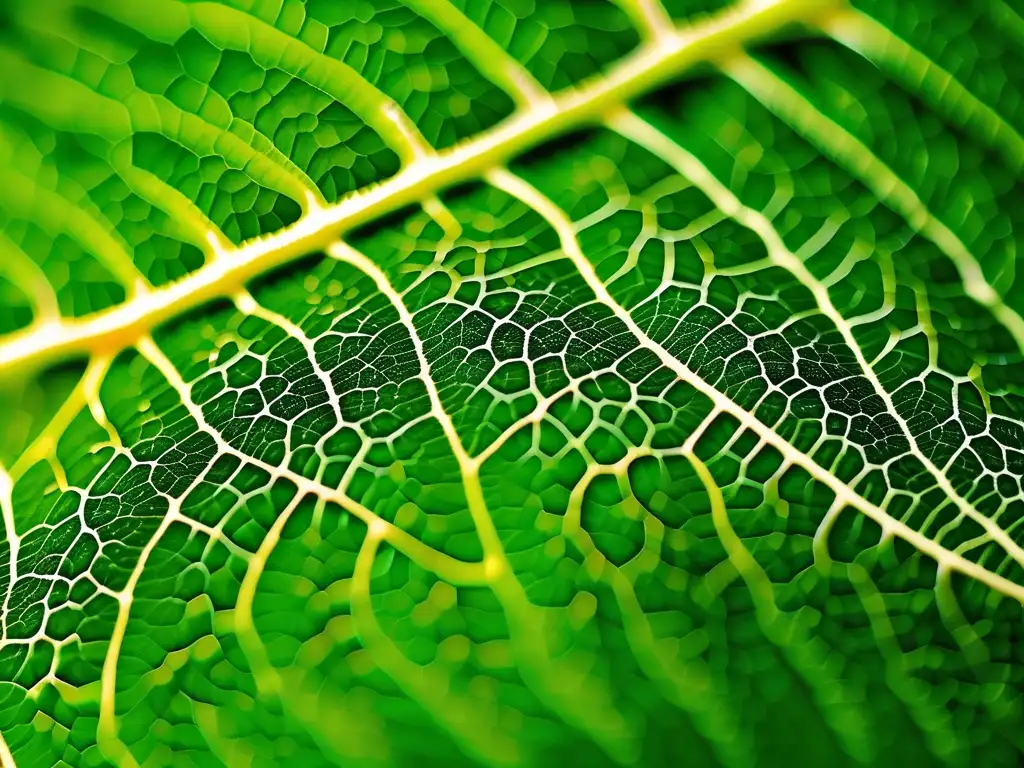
(511, 383)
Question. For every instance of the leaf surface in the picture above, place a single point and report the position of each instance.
(511, 383)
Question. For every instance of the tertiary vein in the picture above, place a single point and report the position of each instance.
(646, 135)
(561, 223)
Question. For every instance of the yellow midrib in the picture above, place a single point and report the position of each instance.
(113, 329)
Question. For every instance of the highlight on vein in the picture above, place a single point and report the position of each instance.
(586, 382)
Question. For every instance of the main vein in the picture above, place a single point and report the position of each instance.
(651, 65)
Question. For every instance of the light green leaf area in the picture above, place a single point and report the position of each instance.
(511, 383)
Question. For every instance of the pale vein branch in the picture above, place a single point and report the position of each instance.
(455, 571)
(782, 629)
(231, 29)
(61, 100)
(493, 552)
(25, 198)
(248, 305)
(263, 671)
(883, 47)
(197, 228)
(28, 276)
(482, 51)
(44, 445)
(13, 539)
(458, 716)
(838, 143)
(639, 72)
(643, 133)
(567, 234)
(541, 672)
(678, 677)
(898, 668)
(649, 17)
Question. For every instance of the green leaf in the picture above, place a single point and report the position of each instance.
(585, 382)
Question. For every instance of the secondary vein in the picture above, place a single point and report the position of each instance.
(648, 67)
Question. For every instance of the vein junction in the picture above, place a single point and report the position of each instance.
(478, 364)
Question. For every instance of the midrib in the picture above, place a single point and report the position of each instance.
(109, 331)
